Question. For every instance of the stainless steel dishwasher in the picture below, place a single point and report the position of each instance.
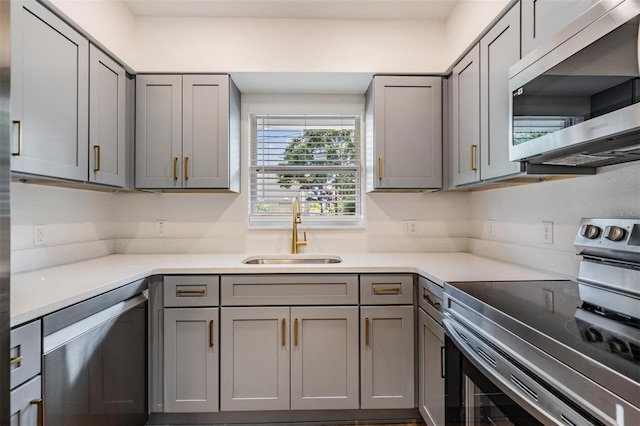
(95, 360)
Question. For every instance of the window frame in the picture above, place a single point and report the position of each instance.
(337, 108)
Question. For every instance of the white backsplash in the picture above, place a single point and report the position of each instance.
(86, 224)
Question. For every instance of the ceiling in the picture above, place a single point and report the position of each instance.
(296, 9)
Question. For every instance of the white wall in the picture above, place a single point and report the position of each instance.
(108, 21)
(467, 20)
(291, 45)
(519, 211)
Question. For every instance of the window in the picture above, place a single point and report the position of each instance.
(314, 158)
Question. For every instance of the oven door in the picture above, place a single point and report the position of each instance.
(473, 399)
(485, 386)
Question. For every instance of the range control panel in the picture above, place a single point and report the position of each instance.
(617, 238)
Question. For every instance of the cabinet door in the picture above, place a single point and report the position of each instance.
(541, 19)
(107, 81)
(407, 128)
(431, 370)
(466, 118)
(386, 348)
(324, 358)
(159, 131)
(191, 360)
(205, 129)
(254, 359)
(499, 49)
(49, 94)
(24, 407)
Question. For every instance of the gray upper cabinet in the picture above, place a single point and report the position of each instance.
(187, 132)
(499, 50)
(49, 94)
(543, 18)
(466, 118)
(107, 107)
(404, 133)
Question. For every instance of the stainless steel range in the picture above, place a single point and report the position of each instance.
(551, 352)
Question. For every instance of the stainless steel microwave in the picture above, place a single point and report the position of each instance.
(576, 99)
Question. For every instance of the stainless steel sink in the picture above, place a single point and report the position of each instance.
(294, 259)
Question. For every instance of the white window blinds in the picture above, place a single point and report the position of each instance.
(314, 158)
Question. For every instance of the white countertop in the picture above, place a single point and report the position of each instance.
(37, 293)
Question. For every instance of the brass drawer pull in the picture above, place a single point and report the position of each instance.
(436, 305)
(283, 332)
(40, 406)
(185, 292)
(379, 290)
(367, 328)
(442, 362)
(474, 147)
(15, 360)
(210, 333)
(19, 151)
(175, 168)
(96, 151)
(380, 168)
(186, 168)
(295, 332)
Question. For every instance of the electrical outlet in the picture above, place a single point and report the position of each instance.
(492, 227)
(547, 232)
(38, 235)
(161, 228)
(548, 299)
(410, 227)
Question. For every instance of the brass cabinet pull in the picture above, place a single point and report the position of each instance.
(283, 331)
(380, 168)
(181, 292)
(442, 362)
(366, 331)
(40, 406)
(19, 151)
(175, 168)
(473, 157)
(295, 332)
(186, 167)
(210, 333)
(15, 360)
(96, 152)
(378, 290)
(431, 302)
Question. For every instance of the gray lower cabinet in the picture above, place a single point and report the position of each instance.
(254, 356)
(49, 94)
(187, 132)
(430, 369)
(25, 352)
(25, 400)
(404, 133)
(387, 361)
(466, 118)
(541, 19)
(107, 109)
(280, 358)
(499, 50)
(190, 360)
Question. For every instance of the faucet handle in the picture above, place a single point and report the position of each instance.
(304, 239)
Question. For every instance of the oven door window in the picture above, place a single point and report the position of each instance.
(472, 399)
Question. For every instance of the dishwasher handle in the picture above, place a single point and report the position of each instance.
(67, 334)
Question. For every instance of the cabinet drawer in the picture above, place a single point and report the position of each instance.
(386, 289)
(279, 290)
(430, 297)
(25, 353)
(24, 409)
(191, 290)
